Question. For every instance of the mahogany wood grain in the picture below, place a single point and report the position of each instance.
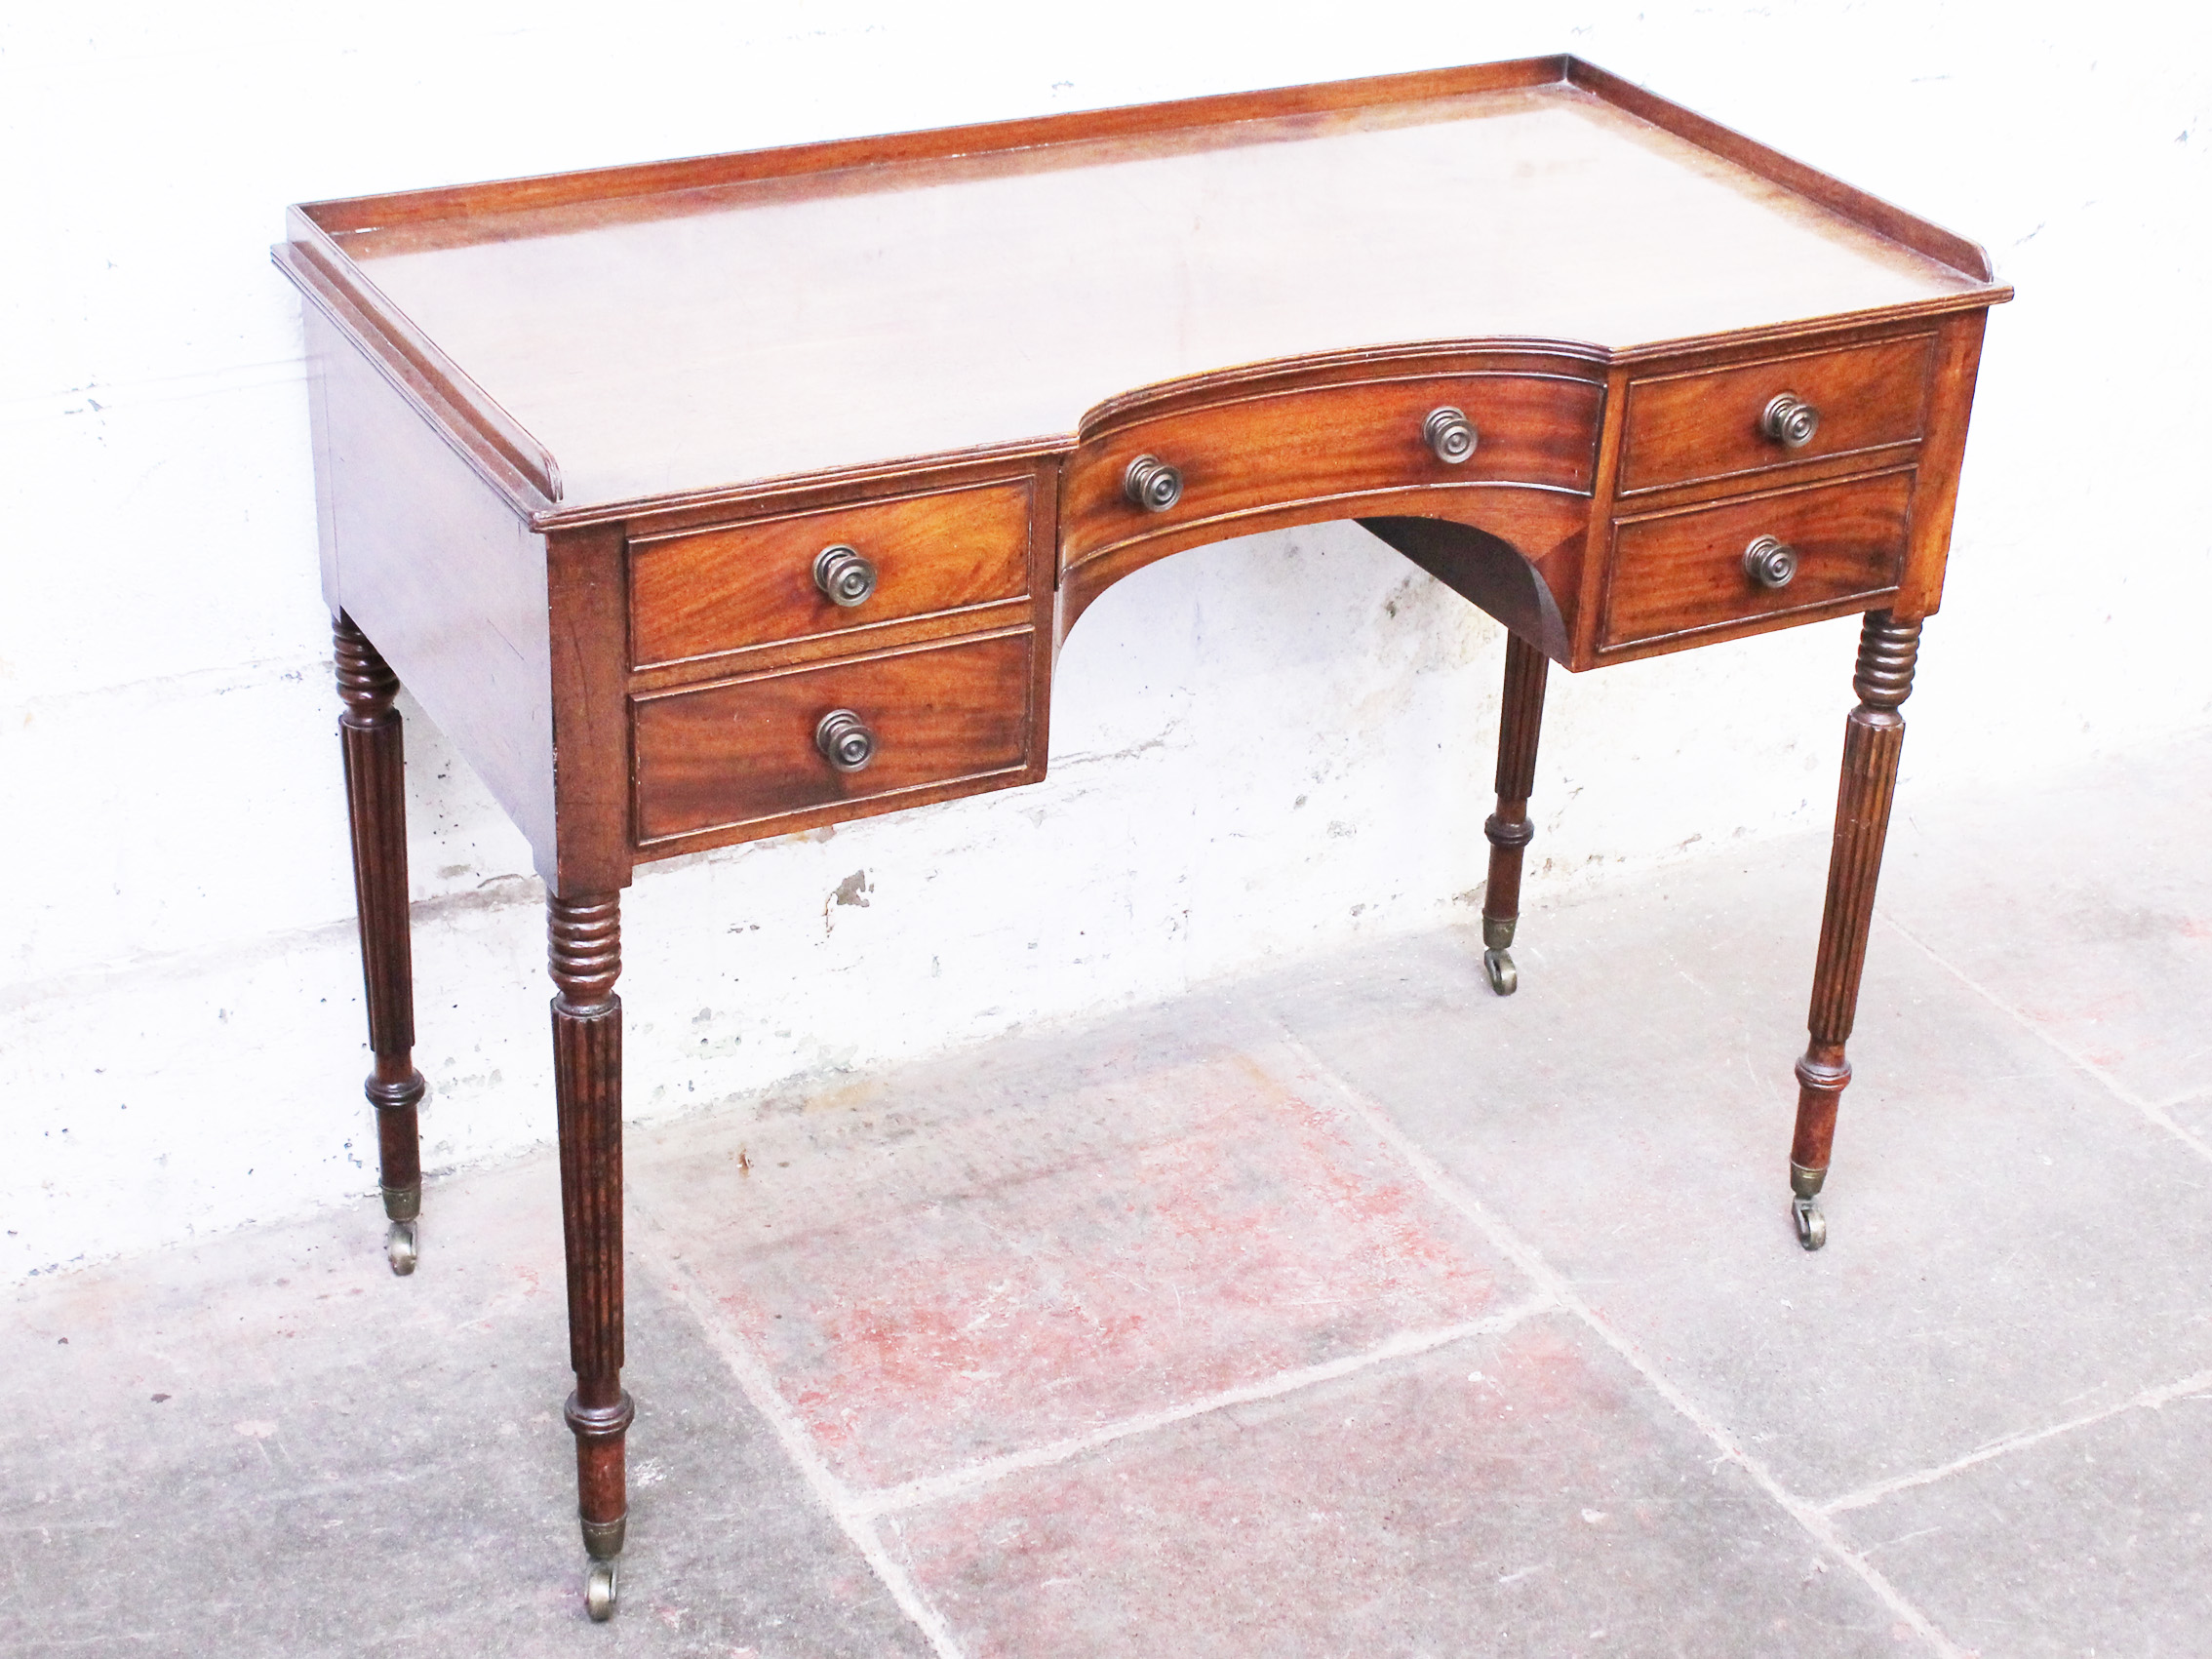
(705, 593)
(587, 597)
(1873, 735)
(1696, 427)
(741, 752)
(1276, 447)
(585, 955)
(578, 439)
(442, 572)
(1683, 573)
(773, 276)
(371, 741)
(1520, 721)
(1943, 457)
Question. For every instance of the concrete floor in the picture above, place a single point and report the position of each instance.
(1345, 1311)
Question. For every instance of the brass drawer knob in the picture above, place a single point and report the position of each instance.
(1770, 562)
(1790, 421)
(844, 743)
(1451, 434)
(1152, 483)
(844, 577)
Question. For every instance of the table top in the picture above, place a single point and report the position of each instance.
(739, 318)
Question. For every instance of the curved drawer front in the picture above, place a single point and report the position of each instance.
(1684, 573)
(741, 751)
(1690, 428)
(707, 592)
(1321, 443)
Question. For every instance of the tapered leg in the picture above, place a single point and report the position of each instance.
(586, 957)
(369, 734)
(1519, 720)
(1874, 735)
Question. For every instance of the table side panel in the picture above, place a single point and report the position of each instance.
(1942, 456)
(443, 574)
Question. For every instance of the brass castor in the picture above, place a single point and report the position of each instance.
(1812, 1226)
(599, 1591)
(400, 1247)
(1505, 980)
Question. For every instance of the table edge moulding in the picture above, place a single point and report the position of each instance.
(655, 653)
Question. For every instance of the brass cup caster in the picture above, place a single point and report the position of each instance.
(1497, 954)
(400, 1247)
(600, 1591)
(1804, 1190)
(1812, 1226)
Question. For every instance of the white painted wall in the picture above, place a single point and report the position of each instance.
(1260, 749)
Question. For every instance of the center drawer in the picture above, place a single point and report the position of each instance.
(1255, 453)
(940, 718)
(704, 593)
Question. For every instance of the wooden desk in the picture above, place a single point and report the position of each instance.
(850, 434)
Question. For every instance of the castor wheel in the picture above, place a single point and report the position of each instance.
(1504, 978)
(400, 1247)
(599, 1591)
(1812, 1226)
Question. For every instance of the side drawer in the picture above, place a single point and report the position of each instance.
(1690, 428)
(707, 592)
(739, 751)
(1684, 572)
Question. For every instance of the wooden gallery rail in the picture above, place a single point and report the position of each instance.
(836, 479)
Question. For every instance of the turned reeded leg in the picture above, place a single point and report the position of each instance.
(586, 957)
(1874, 735)
(369, 734)
(1519, 720)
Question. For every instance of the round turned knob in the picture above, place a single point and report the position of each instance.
(1770, 562)
(1790, 421)
(843, 741)
(845, 577)
(1152, 483)
(1451, 434)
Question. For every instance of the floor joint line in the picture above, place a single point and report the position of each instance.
(934, 1488)
(1547, 1279)
(2157, 1114)
(752, 1376)
(2147, 1400)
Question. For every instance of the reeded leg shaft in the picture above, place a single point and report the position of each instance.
(1873, 735)
(1520, 719)
(368, 735)
(586, 957)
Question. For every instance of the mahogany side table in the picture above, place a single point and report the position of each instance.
(850, 434)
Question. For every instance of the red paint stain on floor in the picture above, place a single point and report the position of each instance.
(1253, 1234)
(1401, 1510)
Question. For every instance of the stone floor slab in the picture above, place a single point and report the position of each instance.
(1096, 1227)
(268, 1445)
(1513, 1494)
(2090, 1542)
(2008, 1241)
(2082, 905)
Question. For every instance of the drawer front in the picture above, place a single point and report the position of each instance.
(1689, 428)
(738, 751)
(712, 591)
(1676, 572)
(1320, 442)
